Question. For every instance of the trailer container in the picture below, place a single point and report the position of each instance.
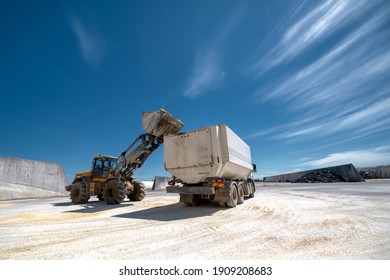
(211, 163)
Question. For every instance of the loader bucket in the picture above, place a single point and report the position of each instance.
(160, 123)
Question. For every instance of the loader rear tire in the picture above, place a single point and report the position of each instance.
(79, 193)
(139, 192)
(233, 196)
(114, 192)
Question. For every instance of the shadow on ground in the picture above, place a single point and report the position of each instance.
(173, 212)
(92, 206)
(62, 204)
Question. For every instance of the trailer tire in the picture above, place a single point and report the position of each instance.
(79, 193)
(139, 192)
(252, 189)
(114, 192)
(233, 196)
(240, 193)
(252, 195)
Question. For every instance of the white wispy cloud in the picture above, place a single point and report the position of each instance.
(312, 28)
(92, 46)
(207, 71)
(359, 158)
(372, 119)
(347, 88)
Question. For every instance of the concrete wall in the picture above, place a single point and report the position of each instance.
(347, 171)
(21, 178)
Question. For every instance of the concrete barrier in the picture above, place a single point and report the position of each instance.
(160, 182)
(347, 171)
(377, 172)
(21, 178)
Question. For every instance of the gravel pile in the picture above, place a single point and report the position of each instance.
(320, 177)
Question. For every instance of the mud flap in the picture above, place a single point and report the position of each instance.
(186, 198)
(223, 194)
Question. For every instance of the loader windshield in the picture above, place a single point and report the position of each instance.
(101, 166)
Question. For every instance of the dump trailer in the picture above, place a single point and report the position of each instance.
(211, 163)
(111, 178)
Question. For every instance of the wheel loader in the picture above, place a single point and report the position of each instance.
(111, 178)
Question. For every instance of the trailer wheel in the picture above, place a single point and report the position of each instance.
(139, 192)
(79, 193)
(252, 189)
(114, 192)
(240, 193)
(233, 195)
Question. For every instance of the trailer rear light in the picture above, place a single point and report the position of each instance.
(171, 183)
(219, 183)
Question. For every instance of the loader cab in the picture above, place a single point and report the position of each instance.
(101, 165)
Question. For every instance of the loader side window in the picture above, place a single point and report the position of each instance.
(106, 168)
(97, 170)
(98, 163)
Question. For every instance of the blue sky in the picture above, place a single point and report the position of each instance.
(305, 83)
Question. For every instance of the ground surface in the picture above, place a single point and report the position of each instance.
(283, 221)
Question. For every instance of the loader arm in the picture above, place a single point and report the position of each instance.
(156, 125)
(135, 155)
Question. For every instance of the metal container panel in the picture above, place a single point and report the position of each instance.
(214, 151)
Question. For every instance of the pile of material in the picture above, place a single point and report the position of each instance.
(320, 177)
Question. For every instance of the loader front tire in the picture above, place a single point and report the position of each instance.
(114, 192)
(139, 192)
(79, 193)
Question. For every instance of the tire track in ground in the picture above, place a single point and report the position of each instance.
(285, 223)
